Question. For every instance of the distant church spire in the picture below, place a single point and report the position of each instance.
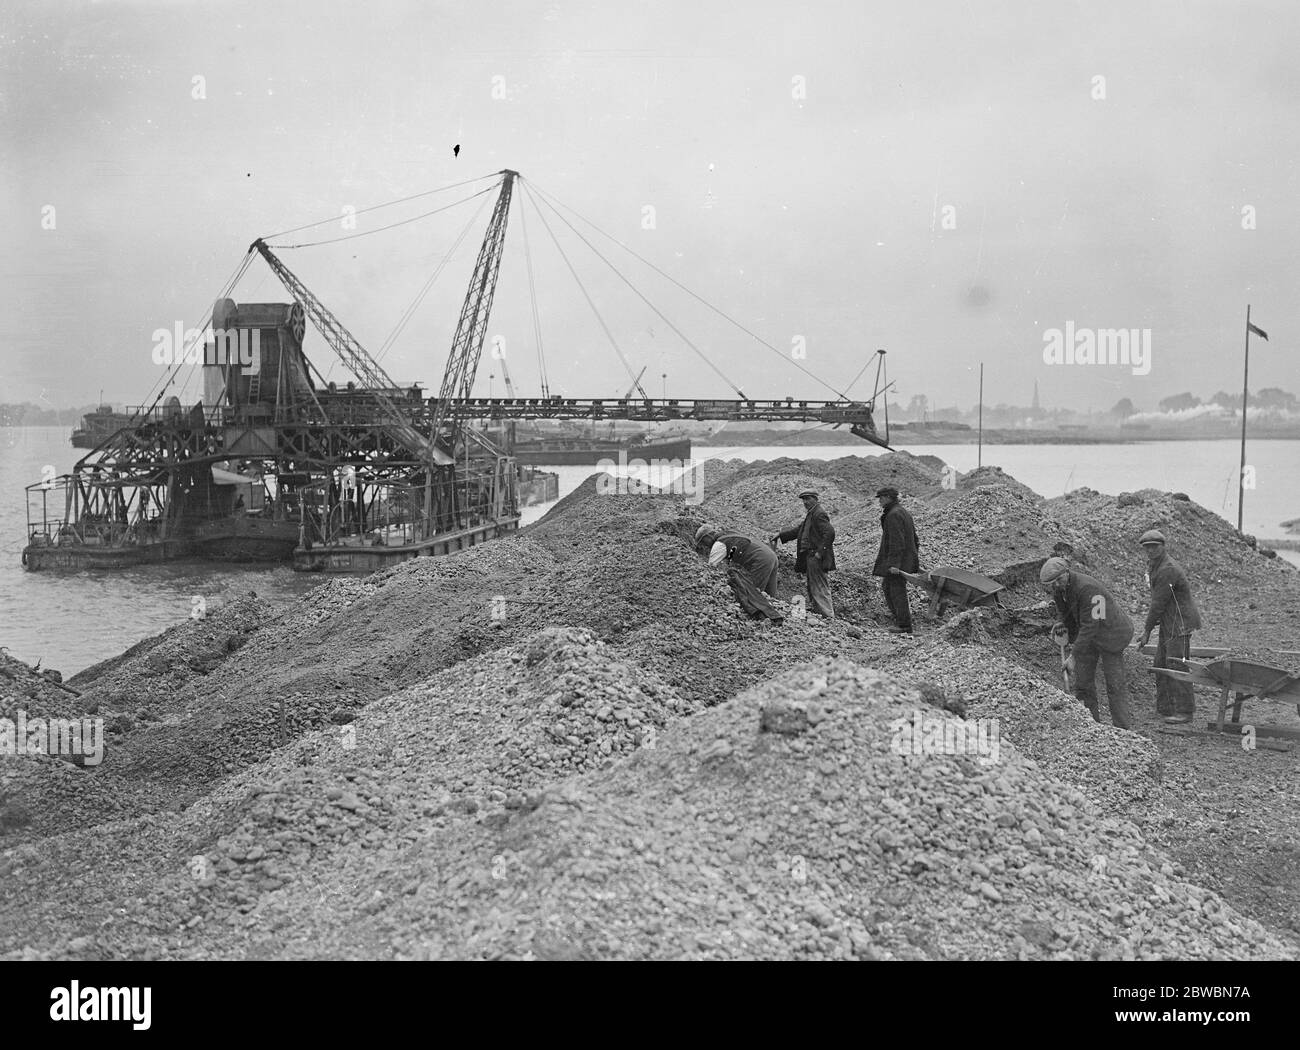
(1037, 406)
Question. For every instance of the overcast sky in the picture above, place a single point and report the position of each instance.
(940, 179)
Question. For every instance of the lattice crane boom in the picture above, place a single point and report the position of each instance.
(355, 357)
(471, 328)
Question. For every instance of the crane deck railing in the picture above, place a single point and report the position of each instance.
(654, 410)
(359, 409)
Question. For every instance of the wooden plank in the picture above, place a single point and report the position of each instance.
(1268, 731)
(1227, 738)
(1198, 650)
(1183, 676)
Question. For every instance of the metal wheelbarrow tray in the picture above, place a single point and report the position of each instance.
(1245, 678)
(949, 584)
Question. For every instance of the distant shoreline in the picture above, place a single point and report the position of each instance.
(901, 439)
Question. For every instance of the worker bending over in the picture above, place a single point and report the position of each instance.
(1100, 630)
(752, 557)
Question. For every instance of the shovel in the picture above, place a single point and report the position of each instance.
(1062, 639)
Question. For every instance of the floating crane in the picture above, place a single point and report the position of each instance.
(275, 462)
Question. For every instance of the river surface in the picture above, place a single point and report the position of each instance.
(70, 621)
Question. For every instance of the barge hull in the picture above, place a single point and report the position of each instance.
(351, 558)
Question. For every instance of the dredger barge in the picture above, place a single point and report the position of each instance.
(275, 463)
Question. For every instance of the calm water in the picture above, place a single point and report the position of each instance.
(72, 621)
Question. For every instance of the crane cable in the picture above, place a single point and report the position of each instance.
(581, 287)
(386, 204)
(532, 294)
(730, 320)
(680, 334)
(420, 295)
(381, 229)
(169, 376)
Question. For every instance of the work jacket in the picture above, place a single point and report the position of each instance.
(742, 551)
(816, 536)
(899, 547)
(1092, 615)
(1172, 608)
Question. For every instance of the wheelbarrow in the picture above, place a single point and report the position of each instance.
(960, 587)
(1245, 678)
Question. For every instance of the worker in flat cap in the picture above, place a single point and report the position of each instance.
(814, 553)
(1099, 629)
(1175, 613)
(899, 552)
(754, 558)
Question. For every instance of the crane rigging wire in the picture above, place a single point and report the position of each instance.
(532, 295)
(424, 291)
(381, 229)
(583, 288)
(680, 334)
(551, 202)
(169, 376)
(730, 320)
(385, 204)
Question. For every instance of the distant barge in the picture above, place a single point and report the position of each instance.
(587, 452)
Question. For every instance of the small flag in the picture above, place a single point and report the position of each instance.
(1258, 331)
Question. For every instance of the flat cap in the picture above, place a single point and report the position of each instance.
(888, 490)
(1152, 536)
(1052, 568)
(808, 492)
(703, 531)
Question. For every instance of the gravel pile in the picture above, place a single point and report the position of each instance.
(988, 523)
(862, 475)
(1246, 598)
(213, 696)
(160, 673)
(1002, 531)
(454, 758)
(1118, 770)
(812, 838)
(39, 693)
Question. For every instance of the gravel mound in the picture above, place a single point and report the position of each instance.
(570, 743)
(1116, 769)
(1246, 599)
(817, 840)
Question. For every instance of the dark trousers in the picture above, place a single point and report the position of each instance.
(895, 588)
(819, 589)
(1173, 697)
(760, 566)
(1086, 659)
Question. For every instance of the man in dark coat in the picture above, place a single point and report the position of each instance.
(815, 552)
(899, 552)
(1175, 613)
(1100, 630)
(755, 559)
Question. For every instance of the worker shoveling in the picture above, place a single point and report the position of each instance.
(1061, 636)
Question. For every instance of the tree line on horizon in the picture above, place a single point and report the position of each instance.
(27, 414)
(1271, 399)
(918, 409)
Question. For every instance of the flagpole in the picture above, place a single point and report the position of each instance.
(1245, 381)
